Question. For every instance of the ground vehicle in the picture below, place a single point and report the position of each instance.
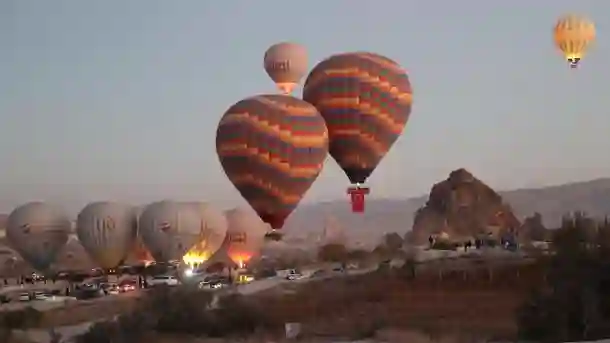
(39, 296)
(293, 274)
(109, 288)
(113, 289)
(37, 277)
(168, 280)
(339, 270)
(24, 296)
(214, 282)
(127, 286)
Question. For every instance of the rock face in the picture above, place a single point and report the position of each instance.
(461, 208)
(533, 229)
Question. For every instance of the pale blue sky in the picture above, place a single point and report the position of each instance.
(119, 99)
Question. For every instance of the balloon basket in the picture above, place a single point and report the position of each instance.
(357, 197)
(273, 236)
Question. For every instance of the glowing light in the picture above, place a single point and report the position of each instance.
(194, 257)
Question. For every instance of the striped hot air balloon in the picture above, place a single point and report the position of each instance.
(272, 148)
(365, 99)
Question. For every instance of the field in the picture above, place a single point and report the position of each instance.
(477, 299)
(481, 301)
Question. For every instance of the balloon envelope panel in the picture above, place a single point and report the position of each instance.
(108, 231)
(272, 148)
(365, 99)
(169, 229)
(38, 231)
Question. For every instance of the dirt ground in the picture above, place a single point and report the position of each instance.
(81, 312)
(481, 302)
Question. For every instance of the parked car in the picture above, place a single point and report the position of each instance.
(127, 286)
(214, 282)
(39, 296)
(293, 274)
(25, 296)
(168, 280)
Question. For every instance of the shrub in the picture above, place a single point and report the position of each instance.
(19, 319)
(236, 315)
(574, 304)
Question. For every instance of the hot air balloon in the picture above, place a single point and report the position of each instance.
(212, 236)
(169, 229)
(272, 148)
(38, 231)
(245, 236)
(573, 36)
(365, 99)
(286, 64)
(108, 232)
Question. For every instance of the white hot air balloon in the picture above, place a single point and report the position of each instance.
(212, 236)
(38, 231)
(169, 229)
(245, 235)
(107, 231)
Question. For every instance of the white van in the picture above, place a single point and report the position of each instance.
(168, 280)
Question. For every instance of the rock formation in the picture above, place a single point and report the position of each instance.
(461, 208)
(533, 229)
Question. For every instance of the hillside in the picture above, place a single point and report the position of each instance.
(387, 215)
(463, 207)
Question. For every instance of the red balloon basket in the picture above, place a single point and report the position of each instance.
(357, 195)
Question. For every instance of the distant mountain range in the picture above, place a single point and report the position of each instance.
(387, 215)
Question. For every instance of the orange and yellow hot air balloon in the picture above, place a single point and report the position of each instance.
(574, 36)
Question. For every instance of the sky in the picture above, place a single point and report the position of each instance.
(119, 100)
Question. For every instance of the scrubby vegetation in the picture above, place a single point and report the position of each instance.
(574, 303)
(17, 319)
(182, 310)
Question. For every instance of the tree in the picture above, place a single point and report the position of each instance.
(574, 305)
(333, 253)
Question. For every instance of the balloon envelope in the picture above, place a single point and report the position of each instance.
(38, 231)
(245, 235)
(169, 229)
(573, 36)
(108, 232)
(286, 64)
(215, 230)
(365, 99)
(272, 148)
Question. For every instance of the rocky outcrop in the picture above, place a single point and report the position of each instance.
(533, 229)
(462, 207)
